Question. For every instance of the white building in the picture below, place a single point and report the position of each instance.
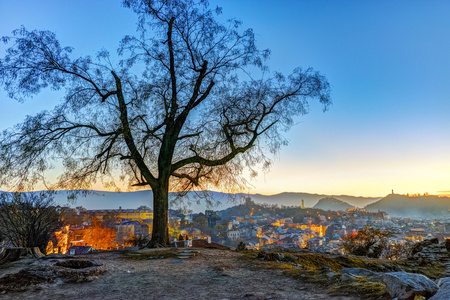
(234, 234)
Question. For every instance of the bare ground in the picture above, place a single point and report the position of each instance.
(213, 274)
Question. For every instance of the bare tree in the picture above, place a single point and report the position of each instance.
(28, 219)
(110, 219)
(368, 241)
(181, 110)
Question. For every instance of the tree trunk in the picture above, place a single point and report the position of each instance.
(14, 254)
(160, 232)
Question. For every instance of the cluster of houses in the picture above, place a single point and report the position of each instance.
(92, 230)
(327, 235)
(322, 234)
(268, 233)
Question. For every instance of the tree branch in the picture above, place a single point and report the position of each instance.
(134, 153)
(173, 77)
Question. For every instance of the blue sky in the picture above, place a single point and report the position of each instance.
(388, 63)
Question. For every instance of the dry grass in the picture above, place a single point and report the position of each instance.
(362, 287)
(313, 268)
(316, 262)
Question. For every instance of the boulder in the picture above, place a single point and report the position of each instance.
(331, 274)
(444, 289)
(443, 281)
(290, 257)
(357, 272)
(361, 272)
(405, 286)
(434, 240)
(348, 277)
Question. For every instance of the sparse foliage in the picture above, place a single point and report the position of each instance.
(138, 240)
(368, 241)
(110, 219)
(69, 216)
(201, 222)
(240, 246)
(398, 250)
(192, 117)
(28, 219)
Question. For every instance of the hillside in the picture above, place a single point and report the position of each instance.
(413, 207)
(295, 199)
(330, 203)
(148, 274)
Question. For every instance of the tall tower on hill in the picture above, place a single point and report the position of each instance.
(303, 204)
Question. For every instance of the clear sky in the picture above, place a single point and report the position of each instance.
(388, 63)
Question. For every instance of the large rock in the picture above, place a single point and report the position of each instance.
(443, 281)
(348, 277)
(360, 272)
(405, 286)
(357, 272)
(444, 290)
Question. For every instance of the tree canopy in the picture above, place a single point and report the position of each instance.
(191, 104)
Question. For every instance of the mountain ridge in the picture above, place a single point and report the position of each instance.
(394, 204)
(295, 198)
(413, 206)
(93, 199)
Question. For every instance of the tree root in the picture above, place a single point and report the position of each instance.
(153, 244)
(14, 254)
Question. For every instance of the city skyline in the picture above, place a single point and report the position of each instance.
(387, 63)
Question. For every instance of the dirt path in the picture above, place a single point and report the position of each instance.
(214, 274)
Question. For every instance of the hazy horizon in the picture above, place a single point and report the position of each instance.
(443, 193)
(245, 193)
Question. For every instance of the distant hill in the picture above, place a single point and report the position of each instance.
(295, 199)
(132, 200)
(413, 207)
(393, 204)
(331, 203)
(127, 200)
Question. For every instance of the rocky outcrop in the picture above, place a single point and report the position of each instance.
(78, 270)
(350, 274)
(405, 286)
(430, 251)
(444, 289)
(357, 272)
(348, 277)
